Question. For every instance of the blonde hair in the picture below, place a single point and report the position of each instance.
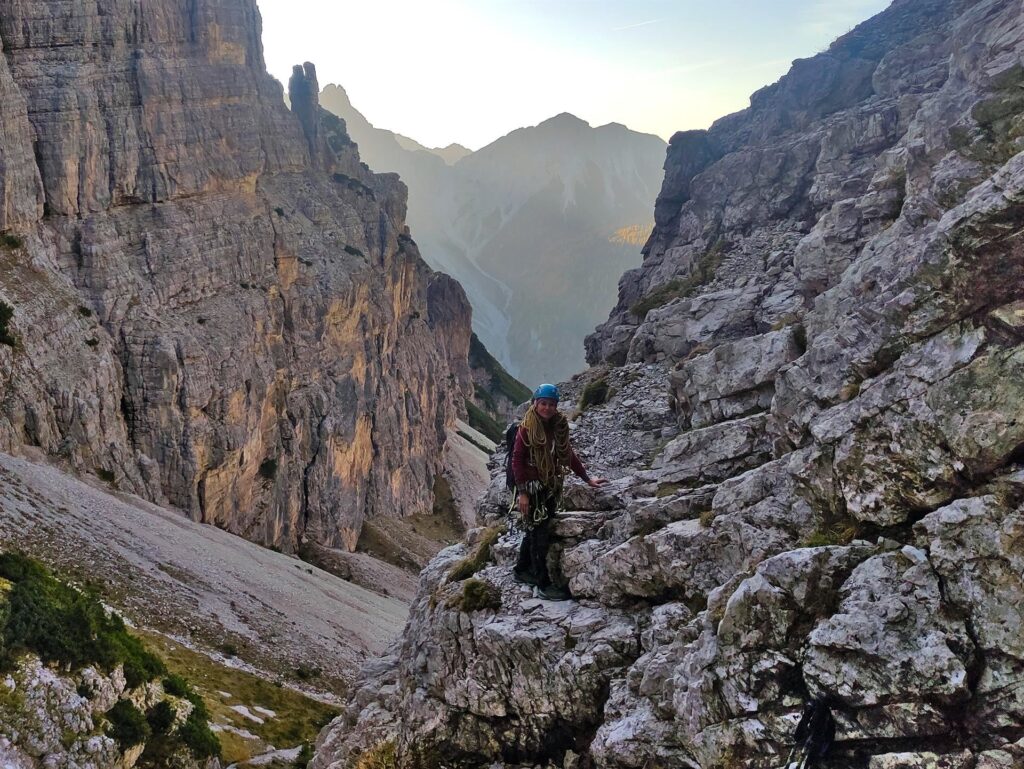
(550, 462)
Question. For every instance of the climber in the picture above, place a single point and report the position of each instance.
(540, 457)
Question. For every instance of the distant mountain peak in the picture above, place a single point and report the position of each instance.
(335, 99)
(453, 153)
(564, 119)
(337, 92)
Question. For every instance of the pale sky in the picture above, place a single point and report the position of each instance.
(470, 71)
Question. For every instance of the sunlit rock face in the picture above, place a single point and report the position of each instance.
(812, 416)
(215, 304)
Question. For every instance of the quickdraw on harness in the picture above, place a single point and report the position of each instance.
(540, 495)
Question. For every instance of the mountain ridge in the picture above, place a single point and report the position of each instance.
(544, 199)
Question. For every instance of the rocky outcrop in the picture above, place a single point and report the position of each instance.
(817, 488)
(52, 719)
(216, 306)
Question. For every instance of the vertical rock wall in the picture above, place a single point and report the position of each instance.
(213, 308)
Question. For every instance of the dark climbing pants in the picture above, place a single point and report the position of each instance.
(532, 564)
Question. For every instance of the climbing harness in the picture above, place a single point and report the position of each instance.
(539, 498)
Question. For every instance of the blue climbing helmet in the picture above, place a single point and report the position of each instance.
(546, 391)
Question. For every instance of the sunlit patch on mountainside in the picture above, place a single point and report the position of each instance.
(632, 235)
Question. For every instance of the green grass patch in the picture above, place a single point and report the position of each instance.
(484, 398)
(307, 673)
(299, 717)
(62, 625)
(595, 393)
(479, 445)
(10, 241)
(305, 756)
(160, 717)
(193, 735)
(176, 686)
(353, 251)
(703, 272)
(7, 336)
(480, 556)
(127, 725)
(197, 736)
(839, 533)
(380, 756)
(478, 595)
(41, 615)
(381, 544)
(502, 382)
(483, 422)
(444, 512)
(234, 748)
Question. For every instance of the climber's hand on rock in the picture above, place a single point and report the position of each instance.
(596, 482)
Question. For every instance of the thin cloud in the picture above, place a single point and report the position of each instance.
(634, 26)
(685, 69)
(836, 17)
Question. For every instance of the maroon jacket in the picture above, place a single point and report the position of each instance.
(523, 469)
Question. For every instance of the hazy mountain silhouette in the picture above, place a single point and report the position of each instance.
(538, 226)
(451, 154)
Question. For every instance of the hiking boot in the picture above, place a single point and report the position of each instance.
(553, 593)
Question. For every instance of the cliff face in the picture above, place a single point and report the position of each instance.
(816, 438)
(772, 204)
(214, 307)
